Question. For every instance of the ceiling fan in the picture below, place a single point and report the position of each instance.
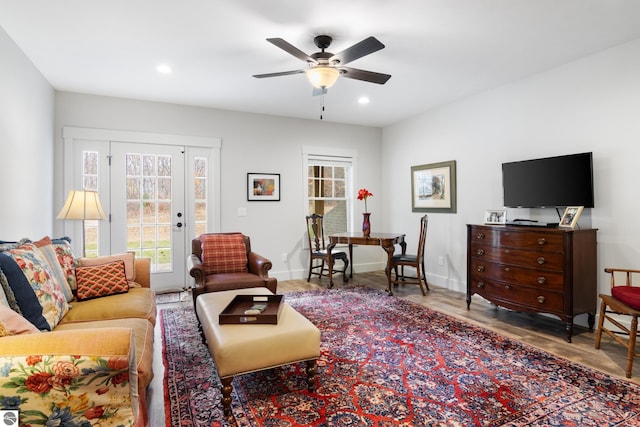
(325, 67)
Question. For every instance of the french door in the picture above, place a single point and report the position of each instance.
(159, 192)
(148, 208)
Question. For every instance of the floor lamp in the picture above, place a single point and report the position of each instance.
(82, 204)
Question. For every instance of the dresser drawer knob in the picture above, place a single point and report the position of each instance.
(542, 241)
(480, 252)
(480, 236)
(541, 280)
(541, 260)
(507, 269)
(507, 287)
(480, 268)
(481, 285)
(541, 299)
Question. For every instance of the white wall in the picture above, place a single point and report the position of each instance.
(250, 143)
(587, 105)
(26, 146)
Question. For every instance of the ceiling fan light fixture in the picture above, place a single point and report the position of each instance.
(323, 77)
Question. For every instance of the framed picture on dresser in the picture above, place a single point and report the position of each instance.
(571, 216)
(495, 216)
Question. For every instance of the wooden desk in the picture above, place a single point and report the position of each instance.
(386, 240)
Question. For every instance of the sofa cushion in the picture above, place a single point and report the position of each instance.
(47, 290)
(24, 294)
(143, 334)
(629, 295)
(129, 259)
(223, 253)
(49, 254)
(11, 323)
(101, 280)
(138, 302)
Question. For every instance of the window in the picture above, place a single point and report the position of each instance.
(328, 190)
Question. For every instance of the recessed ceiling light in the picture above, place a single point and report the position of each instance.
(164, 69)
(363, 100)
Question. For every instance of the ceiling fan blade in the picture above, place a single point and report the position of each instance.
(358, 50)
(291, 49)
(367, 76)
(282, 73)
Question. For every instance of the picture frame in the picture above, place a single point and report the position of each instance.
(263, 187)
(571, 216)
(495, 216)
(433, 187)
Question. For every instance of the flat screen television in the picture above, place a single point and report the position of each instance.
(549, 182)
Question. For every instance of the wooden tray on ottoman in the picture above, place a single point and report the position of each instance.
(234, 313)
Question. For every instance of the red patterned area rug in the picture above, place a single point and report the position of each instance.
(389, 362)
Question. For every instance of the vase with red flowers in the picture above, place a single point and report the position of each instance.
(364, 194)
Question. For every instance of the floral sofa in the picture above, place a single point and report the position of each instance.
(76, 335)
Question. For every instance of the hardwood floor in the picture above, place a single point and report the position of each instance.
(537, 330)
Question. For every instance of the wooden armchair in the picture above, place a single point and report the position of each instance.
(224, 261)
(624, 300)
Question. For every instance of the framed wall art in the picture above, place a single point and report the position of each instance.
(433, 187)
(571, 216)
(496, 216)
(263, 187)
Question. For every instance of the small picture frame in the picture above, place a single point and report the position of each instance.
(263, 187)
(571, 216)
(495, 216)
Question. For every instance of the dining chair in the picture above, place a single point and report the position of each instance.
(624, 300)
(411, 260)
(318, 251)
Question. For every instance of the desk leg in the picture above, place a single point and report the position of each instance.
(351, 261)
(330, 247)
(390, 250)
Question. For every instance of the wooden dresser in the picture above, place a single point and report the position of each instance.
(534, 269)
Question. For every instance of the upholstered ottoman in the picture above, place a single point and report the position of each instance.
(243, 348)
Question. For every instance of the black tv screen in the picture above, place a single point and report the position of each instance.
(549, 182)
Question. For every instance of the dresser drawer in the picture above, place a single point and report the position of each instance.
(542, 279)
(540, 241)
(519, 257)
(527, 299)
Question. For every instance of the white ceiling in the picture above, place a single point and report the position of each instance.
(437, 51)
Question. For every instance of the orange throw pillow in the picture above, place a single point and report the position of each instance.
(101, 280)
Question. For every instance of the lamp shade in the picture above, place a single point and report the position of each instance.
(322, 77)
(82, 204)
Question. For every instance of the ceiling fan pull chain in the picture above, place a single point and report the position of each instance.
(322, 108)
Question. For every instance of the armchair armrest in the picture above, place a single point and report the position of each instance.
(76, 375)
(259, 265)
(196, 269)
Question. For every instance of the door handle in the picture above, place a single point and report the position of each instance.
(179, 225)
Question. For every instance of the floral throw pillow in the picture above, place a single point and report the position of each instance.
(66, 259)
(47, 290)
(101, 280)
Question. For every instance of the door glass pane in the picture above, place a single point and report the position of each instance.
(149, 208)
(200, 190)
(90, 182)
